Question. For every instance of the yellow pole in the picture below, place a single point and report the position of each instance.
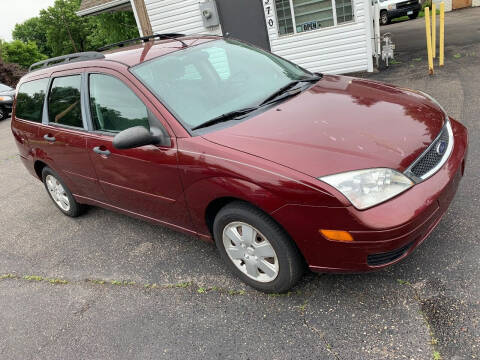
(429, 40)
(434, 30)
(442, 32)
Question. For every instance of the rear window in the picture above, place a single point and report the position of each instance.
(31, 96)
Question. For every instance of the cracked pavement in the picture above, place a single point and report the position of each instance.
(427, 303)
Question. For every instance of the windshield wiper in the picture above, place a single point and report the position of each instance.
(226, 117)
(284, 92)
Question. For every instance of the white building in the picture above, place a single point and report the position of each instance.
(331, 36)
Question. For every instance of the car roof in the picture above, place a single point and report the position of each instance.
(136, 54)
(127, 55)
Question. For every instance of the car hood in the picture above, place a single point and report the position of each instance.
(340, 124)
(8, 92)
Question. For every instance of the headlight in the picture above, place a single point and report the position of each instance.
(6, 98)
(392, 7)
(369, 187)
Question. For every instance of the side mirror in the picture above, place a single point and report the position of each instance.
(139, 136)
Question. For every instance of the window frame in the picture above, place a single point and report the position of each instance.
(46, 115)
(156, 123)
(42, 119)
(294, 24)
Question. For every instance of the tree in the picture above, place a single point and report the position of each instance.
(109, 28)
(34, 30)
(66, 32)
(24, 54)
(10, 73)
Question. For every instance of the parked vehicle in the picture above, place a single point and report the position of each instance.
(279, 166)
(7, 95)
(391, 9)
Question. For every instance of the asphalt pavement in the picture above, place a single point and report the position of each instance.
(105, 286)
(462, 27)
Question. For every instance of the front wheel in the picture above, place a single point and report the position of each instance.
(3, 113)
(256, 249)
(384, 20)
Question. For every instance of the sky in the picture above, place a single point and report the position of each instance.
(17, 11)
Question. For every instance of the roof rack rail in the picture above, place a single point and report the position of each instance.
(81, 56)
(173, 36)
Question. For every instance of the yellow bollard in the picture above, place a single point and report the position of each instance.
(429, 40)
(434, 30)
(442, 32)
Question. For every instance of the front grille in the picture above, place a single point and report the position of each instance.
(388, 257)
(433, 157)
(406, 4)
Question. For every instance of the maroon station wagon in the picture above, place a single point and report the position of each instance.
(281, 167)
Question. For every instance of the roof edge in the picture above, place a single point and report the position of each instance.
(102, 7)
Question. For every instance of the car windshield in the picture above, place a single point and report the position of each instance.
(5, 88)
(206, 81)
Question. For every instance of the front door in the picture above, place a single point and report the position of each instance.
(142, 180)
(244, 20)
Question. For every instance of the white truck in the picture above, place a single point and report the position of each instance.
(391, 9)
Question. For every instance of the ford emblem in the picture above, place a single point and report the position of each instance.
(441, 147)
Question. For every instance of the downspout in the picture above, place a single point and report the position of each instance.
(369, 35)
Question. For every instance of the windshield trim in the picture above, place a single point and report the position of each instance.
(178, 118)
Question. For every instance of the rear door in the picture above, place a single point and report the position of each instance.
(143, 180)
(62, 135)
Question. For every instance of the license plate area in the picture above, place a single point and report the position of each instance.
(410, 12)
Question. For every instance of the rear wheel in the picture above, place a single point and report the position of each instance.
(60, 194)
(256, 249)
(384, 20)
(413, 16)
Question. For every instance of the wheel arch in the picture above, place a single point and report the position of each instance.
(38, 166)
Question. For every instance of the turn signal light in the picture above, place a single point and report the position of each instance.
(337, 235)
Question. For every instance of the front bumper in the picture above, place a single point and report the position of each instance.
(6, 105)
(384, 234)
(395, 13)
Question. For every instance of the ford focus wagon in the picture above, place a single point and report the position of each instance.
(280, 167)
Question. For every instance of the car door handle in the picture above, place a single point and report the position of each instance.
(49, 138)
(100, 151)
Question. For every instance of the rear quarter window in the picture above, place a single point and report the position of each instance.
(30, 99)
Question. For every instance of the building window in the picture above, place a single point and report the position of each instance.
(297, 16)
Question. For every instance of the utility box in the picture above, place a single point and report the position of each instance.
(209, 13)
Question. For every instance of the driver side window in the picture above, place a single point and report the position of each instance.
(114, 107)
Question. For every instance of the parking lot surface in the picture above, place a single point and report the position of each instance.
(107, 286)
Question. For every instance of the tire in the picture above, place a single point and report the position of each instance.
(267, 260)
(384, 19)
(60, 194)
(413, 16)
(3, 113)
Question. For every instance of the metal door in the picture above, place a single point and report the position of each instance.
(244, 20)
(460, 4)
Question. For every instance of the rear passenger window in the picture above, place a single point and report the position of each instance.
(114, 107)
(64, 106)
(31, 96)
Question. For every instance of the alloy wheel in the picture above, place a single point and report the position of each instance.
(57, 192)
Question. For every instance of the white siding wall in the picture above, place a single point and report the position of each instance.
(181, 16)
(340, 49)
